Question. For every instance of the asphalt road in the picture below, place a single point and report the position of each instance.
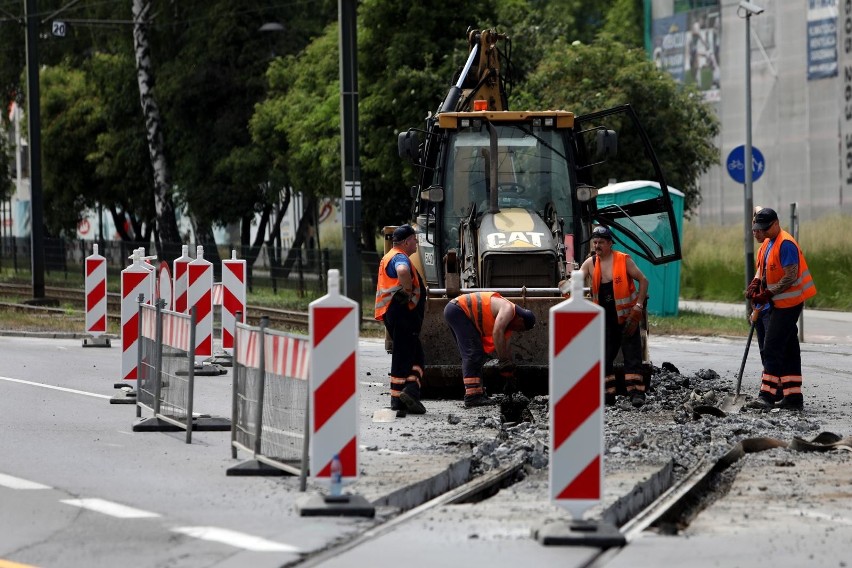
(79, 488)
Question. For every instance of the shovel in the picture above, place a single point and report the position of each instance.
(734, 403)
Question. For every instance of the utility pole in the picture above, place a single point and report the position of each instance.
(749, 9)
(350, 160)
(34, 134)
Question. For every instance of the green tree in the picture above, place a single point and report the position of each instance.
(212, 76)
(625, 22)
(586, 78)
(70, 117)
(408, 53)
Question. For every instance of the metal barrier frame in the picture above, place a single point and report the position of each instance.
(260, 464)
(161, 422)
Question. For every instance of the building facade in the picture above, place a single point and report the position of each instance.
(801, 97)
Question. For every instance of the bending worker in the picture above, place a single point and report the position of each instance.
(400, 304)
(783, 280)
(612, 274)
(482, 323)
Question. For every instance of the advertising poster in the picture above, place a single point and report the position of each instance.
(687, 46)
(822, 39)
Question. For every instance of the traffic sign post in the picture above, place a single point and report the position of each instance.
(737, 168)
(735, 164)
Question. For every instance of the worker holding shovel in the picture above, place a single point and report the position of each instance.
(782, 280)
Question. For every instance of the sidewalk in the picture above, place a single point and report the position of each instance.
(820, 326)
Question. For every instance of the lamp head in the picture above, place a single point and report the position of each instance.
(750, 7)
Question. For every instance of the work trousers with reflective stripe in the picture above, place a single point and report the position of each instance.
(403, 326)
(469, 343)
(778, 337)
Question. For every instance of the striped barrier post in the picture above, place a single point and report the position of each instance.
(576, 367)
(151, 268)
(136, 281)
(96, 300)
(233, 298)
(333, 403)
(199, 295)
(180, 279)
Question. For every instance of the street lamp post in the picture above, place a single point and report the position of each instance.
(349, 150)
(34, 134)
(749, 9)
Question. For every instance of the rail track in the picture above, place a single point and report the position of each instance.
(74, 297)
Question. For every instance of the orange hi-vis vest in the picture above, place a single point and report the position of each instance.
(802, 289)
(622, 285)
(477, 307)
(389, 286)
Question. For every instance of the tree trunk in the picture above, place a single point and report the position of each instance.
(204, 237)
(301, 233)
(169, 240)
(252, 249)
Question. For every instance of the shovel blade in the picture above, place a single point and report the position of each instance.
(733, 403)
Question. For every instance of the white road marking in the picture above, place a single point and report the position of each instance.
(18, 483)
(42, 385)
(827, 517)
(110, 508)
(236, 539)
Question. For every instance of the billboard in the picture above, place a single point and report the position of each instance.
(822, 39)
(687, 46)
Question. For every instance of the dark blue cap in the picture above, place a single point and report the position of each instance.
(402, 232)
(601, 232)
(526, 315)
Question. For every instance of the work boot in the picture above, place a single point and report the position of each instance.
(478, 400)
(637, 399)
(760, 403)
(410, 397)
(790, 403)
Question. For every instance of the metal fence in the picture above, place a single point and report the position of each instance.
(300, 270)
(166, 373)
(270, 401)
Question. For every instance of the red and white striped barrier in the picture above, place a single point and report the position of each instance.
(96, 298)
(233, 298)
(217, 293)
(176, 331)
(287, 356)
(333, 332)
(180, 279)
(248, 352)
(199, 295)
(135, 280)
(576, 344)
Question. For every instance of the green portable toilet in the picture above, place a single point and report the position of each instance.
(664, 279)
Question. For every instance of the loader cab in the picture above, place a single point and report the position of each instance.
(530, 168)
(548, 164)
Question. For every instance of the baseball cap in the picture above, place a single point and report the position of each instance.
(601, 232)
(764, 218)
(402, 232)
(526, 315)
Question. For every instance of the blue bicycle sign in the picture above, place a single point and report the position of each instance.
(736, 164)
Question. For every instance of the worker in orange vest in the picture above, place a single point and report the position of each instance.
(482, 324)
(782, 279)
(400, 305)
(612, 274)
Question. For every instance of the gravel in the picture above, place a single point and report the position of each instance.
(666, 427)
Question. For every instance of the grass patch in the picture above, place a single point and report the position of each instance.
(696, 323)
(714, 262)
